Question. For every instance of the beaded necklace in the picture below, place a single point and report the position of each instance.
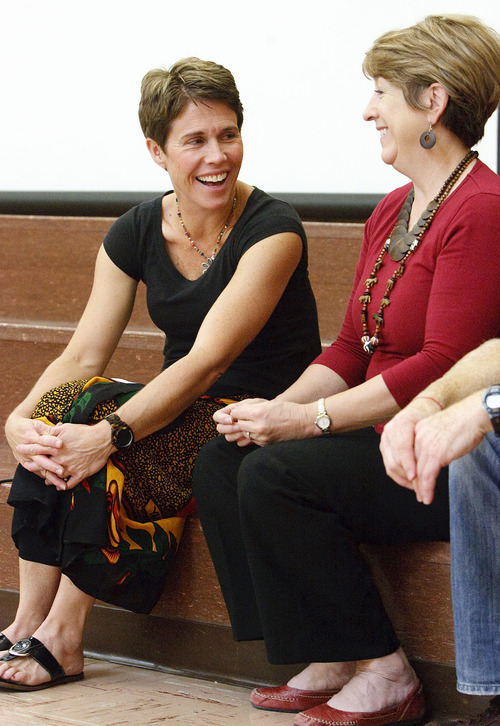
(400, 245)
(207, 261)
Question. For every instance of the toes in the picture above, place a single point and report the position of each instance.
(8, 674)
(15, 674)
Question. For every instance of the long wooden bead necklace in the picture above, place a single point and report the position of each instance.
(400, 245)
(207, 260)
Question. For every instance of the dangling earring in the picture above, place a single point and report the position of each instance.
(428, 138)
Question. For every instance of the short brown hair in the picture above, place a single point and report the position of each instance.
(164, 94)
(457, 51)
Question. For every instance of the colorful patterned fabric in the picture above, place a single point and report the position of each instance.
(118, 531)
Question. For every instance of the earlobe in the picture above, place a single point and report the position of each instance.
(157, 153)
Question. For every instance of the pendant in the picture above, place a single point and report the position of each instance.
(207, 263)
(369, 344)
(399, 246)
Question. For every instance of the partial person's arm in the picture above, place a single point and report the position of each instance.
(283, 418)
(350, 402)
(105, 317)
(422, 438)
(380, 398)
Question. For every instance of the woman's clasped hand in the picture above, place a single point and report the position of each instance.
(63, 454)
(261, 422)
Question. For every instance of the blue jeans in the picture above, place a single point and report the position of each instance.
(475, 567)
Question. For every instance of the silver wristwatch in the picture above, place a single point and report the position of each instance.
(323, 420)
(491, 404)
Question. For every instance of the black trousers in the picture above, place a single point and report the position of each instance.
(284, 524)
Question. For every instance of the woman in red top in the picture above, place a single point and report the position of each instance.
(284, 522)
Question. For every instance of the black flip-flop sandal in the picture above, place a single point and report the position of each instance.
(35, 649)
(5, 643)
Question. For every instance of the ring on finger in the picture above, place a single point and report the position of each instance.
(248, 434)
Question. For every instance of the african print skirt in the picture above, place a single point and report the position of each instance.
(117, 532)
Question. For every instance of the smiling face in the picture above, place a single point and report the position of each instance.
(203, 155)
(399, 124)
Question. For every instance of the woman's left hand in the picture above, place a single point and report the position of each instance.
(262, 422)
(83, 451)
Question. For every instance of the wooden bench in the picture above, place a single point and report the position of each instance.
(45, 279)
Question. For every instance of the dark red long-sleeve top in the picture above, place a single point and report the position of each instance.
(446, 303)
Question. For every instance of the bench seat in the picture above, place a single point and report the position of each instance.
(45, 280)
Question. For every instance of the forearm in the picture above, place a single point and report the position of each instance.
(266, 422)
(434, 436)
(349, 409)
(82, 450)
(365, 405)
(317, 381)
(96, 336)
(64, 368)
(458, 429)
(164, 398)
(478, 369)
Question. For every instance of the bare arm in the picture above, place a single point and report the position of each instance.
(444, 437)
(478, 369)
(88, 352)
(421, 432)
(284, 418)
(234, 320)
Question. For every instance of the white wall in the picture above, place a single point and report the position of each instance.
(70, 74)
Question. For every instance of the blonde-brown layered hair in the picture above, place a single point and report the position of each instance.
(165, 93)
(457, 51)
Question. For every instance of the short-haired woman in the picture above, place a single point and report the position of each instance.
(225, 266)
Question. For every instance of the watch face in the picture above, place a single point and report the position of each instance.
(493, 400)
(323, 422)
(123, 438)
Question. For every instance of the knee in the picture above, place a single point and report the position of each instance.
(216, 468)
(258, 475)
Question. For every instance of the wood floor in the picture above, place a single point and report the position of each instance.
(121, 695)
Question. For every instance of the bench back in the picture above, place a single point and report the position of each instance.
(46, 276)
(47, 268)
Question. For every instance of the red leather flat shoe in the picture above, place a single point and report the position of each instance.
(410, 711)
(286, 698)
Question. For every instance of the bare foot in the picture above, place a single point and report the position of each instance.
(27, 671)
(323, 676)
(377, 684)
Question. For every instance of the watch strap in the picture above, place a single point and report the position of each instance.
(323, 420)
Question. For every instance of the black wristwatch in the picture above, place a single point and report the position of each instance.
(491, 404)
(122, 435)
